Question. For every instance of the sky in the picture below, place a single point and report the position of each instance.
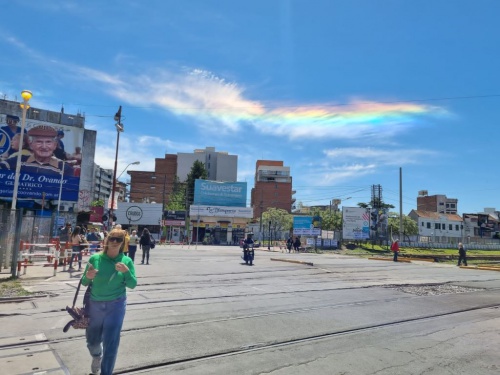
(344, 92)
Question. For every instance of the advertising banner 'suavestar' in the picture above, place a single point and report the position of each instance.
(214, 193)
(49, 153)
(356, 223)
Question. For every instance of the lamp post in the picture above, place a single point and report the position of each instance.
(24, 106)
(134, 163)
(119, 129)
(16, 224)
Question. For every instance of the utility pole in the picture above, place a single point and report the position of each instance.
(400, 203)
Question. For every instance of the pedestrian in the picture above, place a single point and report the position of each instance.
(296, 244)
(132, 246)
(64, 237)
(110, 272)
(462, 254)
(93, 238)
(145, 245)
(289, 244)
(395, 249)
(76, 248)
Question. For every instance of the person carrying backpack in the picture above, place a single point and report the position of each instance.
(146, 243)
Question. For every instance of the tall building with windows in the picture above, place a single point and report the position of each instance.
(436, 203)
(103, 181)
(219, 164)
(272, 187)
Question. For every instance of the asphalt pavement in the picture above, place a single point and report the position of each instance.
(201, 310)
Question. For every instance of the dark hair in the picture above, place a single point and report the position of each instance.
(145, 231)
(76, 231)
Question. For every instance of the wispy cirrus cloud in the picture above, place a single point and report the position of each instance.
(379, 156)
(211, 100)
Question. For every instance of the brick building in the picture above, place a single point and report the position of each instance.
(272, 187)
(436, 203)
(156, 186)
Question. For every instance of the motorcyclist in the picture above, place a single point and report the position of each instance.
(247, 248)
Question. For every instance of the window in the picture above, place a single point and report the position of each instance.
(452, 205)
(428, 225)
(450, 226)
(456, 227)
(422, 223)
(437, 226)
(441, 203)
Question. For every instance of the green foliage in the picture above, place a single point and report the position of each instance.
(375, 203)
(97, 203)
(280, 220)
(330, 220)
(198, 171)
(410, 227)
(177, 199)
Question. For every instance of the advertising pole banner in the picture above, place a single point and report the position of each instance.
(51, 158)
(356, 223)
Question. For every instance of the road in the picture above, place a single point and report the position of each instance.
(200, 311)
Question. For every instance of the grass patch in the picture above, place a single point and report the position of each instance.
(12, 287)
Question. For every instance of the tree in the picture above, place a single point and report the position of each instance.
(177, 199)
(375, 203)
(410, 227)
(198, 171)
(330, 220)
(280, 220)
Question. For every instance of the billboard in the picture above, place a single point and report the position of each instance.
(221, 211)
(379, 222)
(51, 158)
(214, 193)
(303, 226)
(355, 223)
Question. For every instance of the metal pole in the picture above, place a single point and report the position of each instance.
(59, 199)
(119, 128)
(24, 107)
(269, 243)
(401, 204)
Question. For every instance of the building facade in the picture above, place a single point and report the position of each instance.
(219, 164)
(272, 187)
(103, 181)
(438, 227)
(436, 203)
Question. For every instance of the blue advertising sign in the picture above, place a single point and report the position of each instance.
(48, 163)
(213, 193)
(303, 225)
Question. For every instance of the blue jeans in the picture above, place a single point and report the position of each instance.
(76, 250)
(103, 332)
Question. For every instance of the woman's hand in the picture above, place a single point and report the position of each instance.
(91, 272)
(121, 267)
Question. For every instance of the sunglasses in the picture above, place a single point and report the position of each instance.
(115, 239)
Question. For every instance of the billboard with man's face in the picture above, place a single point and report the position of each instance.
(50, 158)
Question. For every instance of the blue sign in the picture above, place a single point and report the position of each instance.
(213, 193)
(302, 222)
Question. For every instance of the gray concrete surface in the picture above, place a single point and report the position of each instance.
(200, 311)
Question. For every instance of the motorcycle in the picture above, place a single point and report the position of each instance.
(248, 254)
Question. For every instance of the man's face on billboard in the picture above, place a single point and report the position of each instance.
(43, 147)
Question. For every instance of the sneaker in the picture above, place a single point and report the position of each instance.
(96, 365)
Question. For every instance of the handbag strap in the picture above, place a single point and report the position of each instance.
(87, 292)
(77, 291)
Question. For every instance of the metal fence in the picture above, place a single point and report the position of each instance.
(22, 225)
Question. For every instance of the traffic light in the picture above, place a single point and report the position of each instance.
(373, 217)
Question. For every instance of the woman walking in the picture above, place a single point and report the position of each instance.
(145, 245)
(76, 248)
(110, 272)
(462, 255)
(132, 246)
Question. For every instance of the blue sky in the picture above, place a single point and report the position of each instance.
(344, 92)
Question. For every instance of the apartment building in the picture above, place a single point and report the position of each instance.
(272, 187)
(436, 203)
(219, 164)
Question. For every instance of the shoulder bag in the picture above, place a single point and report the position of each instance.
(80, 315)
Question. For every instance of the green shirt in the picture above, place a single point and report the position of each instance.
(109, 284)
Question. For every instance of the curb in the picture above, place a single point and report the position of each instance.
(293, 261)
(481, 268)
(390, 260)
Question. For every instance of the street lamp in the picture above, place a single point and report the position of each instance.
(134, 163)
(119, 129)
(24, 106)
